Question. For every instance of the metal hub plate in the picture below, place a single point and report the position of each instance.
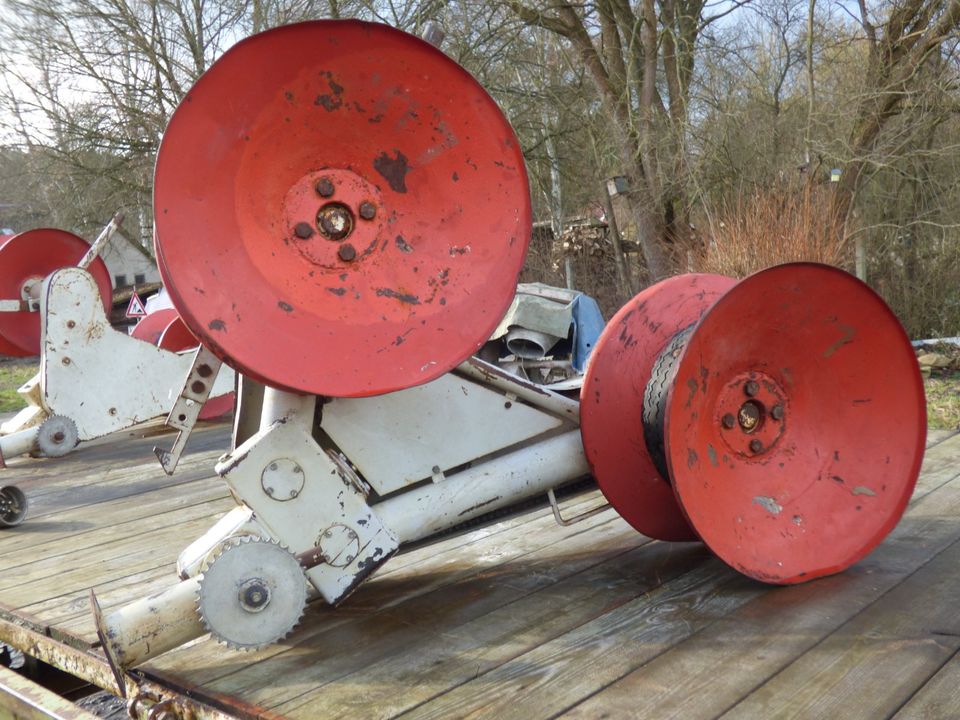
(611, 400)
(409, 270)
(837, 468)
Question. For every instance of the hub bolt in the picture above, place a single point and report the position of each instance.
(368, 211)
(776, 412)
(756, 446)
(729, 421)
(751, 388)
(324, 187)
(347, 252)
(302, 230)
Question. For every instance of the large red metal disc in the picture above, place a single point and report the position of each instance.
(302, 134)
(796, 424)
(611, 400)
(150, 328)
(27, 258)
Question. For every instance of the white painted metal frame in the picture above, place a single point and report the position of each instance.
(292, 492)
(102, 379)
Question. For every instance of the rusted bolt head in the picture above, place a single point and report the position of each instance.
(204, 371)
(324, 187)
(198, 386)
(303, 230)
(347, 252)
(751, 388)
(66, 361)
(729, 421)
(59, 437)
(756, 446)
(71, 324)
(776, 412)
(368, 211)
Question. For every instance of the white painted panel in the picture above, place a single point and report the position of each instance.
(399, 438)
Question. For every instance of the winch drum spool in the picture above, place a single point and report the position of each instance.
(27, 258)
(363, 206)
(789, 450)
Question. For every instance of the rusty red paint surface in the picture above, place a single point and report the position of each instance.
(34, 254)
(838, 467)
(384, 118)
(611, 401)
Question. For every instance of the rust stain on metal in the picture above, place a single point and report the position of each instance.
(337, 291)
(219, 325)
(692, 458)
(286, 307)
(330, 101)
(403, 245)
(393, 169)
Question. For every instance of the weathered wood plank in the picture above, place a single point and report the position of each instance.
(939, 699)
(874, 663)
(434, 662)
(436, 567)
(764, 636)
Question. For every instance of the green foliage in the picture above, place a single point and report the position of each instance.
(13, 374)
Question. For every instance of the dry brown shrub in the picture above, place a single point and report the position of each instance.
(772, 226)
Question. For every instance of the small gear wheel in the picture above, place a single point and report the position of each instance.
(13, 506)
(252, 593)
(58, 436)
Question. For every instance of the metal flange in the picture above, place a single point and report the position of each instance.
(364, 215)
(796, 422)
(612, 400)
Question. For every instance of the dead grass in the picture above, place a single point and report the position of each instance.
(13, 374)
(943, 402)
(772, 226)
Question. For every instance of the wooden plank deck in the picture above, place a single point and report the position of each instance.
(518, 619)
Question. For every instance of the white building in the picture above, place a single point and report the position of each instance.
(128, 264)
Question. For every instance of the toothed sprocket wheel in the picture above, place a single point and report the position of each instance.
(57, 436)
(252, 593)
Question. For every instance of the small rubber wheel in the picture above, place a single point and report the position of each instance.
(13, 506)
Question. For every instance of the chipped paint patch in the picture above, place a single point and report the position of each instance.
(863, 490)
(768, 504)
(712, 454)
(848, 333)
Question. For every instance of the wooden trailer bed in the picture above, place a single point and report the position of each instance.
(519, 619)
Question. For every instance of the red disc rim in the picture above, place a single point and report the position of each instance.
(611, 400)
(832, 476)
(34, 254)
(151, 327)
(176, 336)
(388, 119)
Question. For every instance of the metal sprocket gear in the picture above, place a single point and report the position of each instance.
(252, 593)
(58, 436)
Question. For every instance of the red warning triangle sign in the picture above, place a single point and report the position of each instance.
(135, 308)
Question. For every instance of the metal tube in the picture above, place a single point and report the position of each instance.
(18, 443)
(524, 389)
(279, 404)
(489, 486)
(153, 625)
